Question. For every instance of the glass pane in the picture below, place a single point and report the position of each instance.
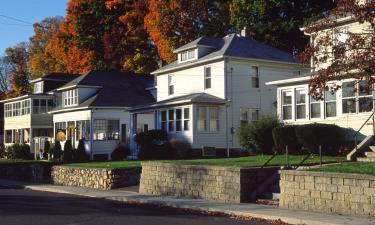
(315, 110)
(348, 89)
(348, 105)
(287, 97)
(330, 96)
(163, 115)
(178, 125)
(364, 89)
(300, 96)
(186, 125)
(287, 112)
(331, 109)
(202, 119)
(171, 114)
(365, 104)
(301, 111)
(186, 113)
(178, 114)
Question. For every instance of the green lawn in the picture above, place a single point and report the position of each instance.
(111, 165)
(349, 167)
(250, 161)
(20, 161)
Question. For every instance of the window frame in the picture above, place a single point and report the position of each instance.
(283, 105)
(207, 78)
(171, 90)
(304, 104)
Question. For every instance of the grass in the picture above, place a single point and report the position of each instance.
(110, 165)
(255, 161)
(349, 167)
(21, 161)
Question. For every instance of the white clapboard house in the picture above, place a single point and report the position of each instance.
(351, 107)
(215, 85)
(95, 108)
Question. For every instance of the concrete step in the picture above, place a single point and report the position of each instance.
(372, 148)
(270, 196)
(365, 159)
(370, 154)
(268, 202)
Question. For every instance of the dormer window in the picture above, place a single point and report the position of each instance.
(38, 87)
(70, 97)
(188, 55)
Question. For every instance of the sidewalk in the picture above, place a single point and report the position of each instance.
(247, 210)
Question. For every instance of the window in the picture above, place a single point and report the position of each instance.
(83, 130)
(70, 97)
(365, 97)
(254, 77)
(207, 77)
(170, 85)
(36, 106)
(163, 119)
(38, 87)
(330, 98)
(60, 126)
(49, 105)
(315, 107)
(187, 55)
(186, 119)
(301, 104)
(202, 119)
(100, 130)
(8, 136)
(178, 119)
(43, 106)
(184, 56)
(171, 120)
(340, 37)
(348, 97)
(287, 105)
(248, 114)
(214, 119)
(191, 54)
(113, 130)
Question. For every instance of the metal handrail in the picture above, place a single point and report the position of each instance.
(269, 160)
(357, 132)
(303, 160)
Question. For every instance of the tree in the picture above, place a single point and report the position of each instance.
(19, 71)
(57, 152)
(336, 59)
(42, 60)
(68, 151)
(4, 77)
(276, 22)
(173, 23)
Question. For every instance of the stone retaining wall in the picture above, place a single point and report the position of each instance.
(348, 194)
(226, 184)
(30, 172)
(104, 179)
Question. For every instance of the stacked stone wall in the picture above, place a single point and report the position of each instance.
(348, 194)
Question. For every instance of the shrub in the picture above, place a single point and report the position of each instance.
(18, 151)
(286, 136)
(47, 149)
(180, 148)
(153, 145)
(119, 153)
(68, 152)
(311, 136)
(57, 152)
(257, 136)
(79, 155)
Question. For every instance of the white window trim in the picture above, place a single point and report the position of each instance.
(207, 120)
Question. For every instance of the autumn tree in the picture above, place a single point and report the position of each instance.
(172, 23)
(19, 72)
(41, 59)
(4, 77)
(277, 23)
(337, 51)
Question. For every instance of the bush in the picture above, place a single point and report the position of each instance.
(286, 136)
(18, 151)
(79, 155)
(68, 152)
(257, 136)
(47, 149)
(180, 148)
(154, 145)
(119, 153)
(57, 152)
(311, 136)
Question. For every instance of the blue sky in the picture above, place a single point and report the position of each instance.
(13, 32)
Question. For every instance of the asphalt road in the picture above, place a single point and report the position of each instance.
(26, 207)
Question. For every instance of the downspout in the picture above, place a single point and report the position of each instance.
(226, 107)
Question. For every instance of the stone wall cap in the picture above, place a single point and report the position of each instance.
(86, 168)
(327, 174)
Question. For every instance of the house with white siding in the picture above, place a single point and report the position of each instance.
(95, 108)
(350, 107)
(215, 85)
(26, 118)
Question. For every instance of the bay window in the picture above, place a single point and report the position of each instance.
(178, 119)
(301, 103)
(214, 119)
(356, 97)
(171, 120)
(202, 117)
(315, 108)
(186, 119)
(208, 119)
(287, 105)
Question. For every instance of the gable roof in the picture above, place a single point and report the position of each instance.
(114, 89)
(202, 41)
(232, 45)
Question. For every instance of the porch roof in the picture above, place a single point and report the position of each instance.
(202, 98)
